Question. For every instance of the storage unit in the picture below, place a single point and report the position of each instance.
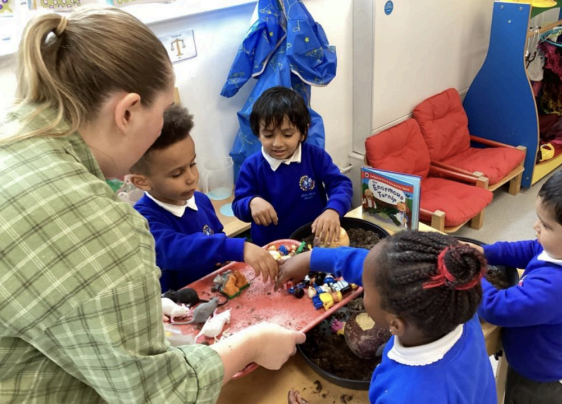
(500, 103)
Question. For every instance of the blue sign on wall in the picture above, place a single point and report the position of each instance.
(388, 7)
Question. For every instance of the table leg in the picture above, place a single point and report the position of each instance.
(501, 375)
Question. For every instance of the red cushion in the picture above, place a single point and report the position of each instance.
(444, 125)
(494, 162)
(400, 148)
(460, 202)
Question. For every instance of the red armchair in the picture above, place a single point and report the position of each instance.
(444, 126)
(445, 204)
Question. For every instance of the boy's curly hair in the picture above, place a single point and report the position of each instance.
(178, 123)
(429, 279)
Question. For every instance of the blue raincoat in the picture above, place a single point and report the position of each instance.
(284, 47)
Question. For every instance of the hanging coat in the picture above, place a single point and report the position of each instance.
(284, 47)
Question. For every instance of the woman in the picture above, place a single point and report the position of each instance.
(80, 307)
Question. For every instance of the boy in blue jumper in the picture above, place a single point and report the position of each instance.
(530, 313)
(289, 183)
(425, 288)
(189, 237)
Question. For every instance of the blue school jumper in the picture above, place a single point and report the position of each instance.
(190, 246)
(299, 192)
(529, 313)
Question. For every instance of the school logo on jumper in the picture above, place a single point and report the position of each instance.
(207, 230)
(306, 183)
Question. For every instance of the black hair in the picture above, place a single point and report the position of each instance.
(551, 195)
(277, 103)
(408, 263)
(178, 123)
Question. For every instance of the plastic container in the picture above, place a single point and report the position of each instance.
(175, 337)
(128, 192)
(337, 380)
(217, 179)
(347, 223)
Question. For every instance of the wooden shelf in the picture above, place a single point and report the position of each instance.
(546, 167)
(503, 74)
(545, 28)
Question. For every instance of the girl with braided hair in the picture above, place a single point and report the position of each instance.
(425, 288)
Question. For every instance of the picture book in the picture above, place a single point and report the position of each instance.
(389, 199)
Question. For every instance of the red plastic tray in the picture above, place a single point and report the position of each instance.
(259, 303)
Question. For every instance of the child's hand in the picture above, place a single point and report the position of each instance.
(326, 227)
(261, 260)
(295, 269)
(295, 398)
(475, 246)
(262, 212)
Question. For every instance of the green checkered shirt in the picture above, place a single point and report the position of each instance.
(80, 306)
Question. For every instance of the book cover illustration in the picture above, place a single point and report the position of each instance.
(390, 199)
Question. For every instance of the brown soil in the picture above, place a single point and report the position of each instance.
(497, 277)
(330, 352)
(345, 398)
(360, 238)
(317, 386)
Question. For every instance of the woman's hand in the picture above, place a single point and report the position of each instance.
(268, 345)
(274, 344)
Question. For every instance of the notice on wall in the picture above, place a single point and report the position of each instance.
(7, 7)
(180, 45)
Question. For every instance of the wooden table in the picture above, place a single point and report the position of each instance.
(270, 387)
(232, 225)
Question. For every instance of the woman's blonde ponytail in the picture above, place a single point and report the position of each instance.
(36, 83)
(71, 64)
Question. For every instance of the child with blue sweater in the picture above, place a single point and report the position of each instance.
(289, 183)
(530, 313)
(188, 235)
(425, 288)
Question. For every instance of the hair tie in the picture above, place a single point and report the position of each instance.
(445, 277)
(62, 25)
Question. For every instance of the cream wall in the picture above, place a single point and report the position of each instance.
(217, 36)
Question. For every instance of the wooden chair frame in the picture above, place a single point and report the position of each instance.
(514, 177)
